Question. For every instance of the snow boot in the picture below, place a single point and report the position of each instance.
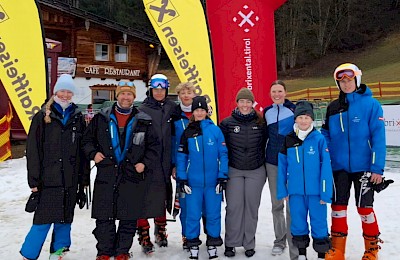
(338, 250)
(371, 247)
(144, 240)
(161, 234)
(229, 251)
(249, 252)
(212, 252)
(194, 252)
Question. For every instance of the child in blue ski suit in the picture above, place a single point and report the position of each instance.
(202, 172)
(305, 178)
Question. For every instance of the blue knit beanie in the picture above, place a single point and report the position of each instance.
(65, 82)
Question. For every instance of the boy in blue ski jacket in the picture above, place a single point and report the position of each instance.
(305, 178)
(202, 173)
(354, 129)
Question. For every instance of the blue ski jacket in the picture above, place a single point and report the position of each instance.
(279, 120)
(355, 132)
(202, 155)
(304, 167)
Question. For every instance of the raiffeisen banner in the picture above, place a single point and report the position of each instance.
(182, 30)
(23, 69)
(243, 45)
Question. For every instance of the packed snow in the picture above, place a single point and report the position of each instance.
(15, 223)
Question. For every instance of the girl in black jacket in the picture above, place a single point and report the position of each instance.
(56, 168)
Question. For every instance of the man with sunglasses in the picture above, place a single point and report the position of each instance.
(159, 196)
(355, 131)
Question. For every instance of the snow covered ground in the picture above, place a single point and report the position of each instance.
(15, 223)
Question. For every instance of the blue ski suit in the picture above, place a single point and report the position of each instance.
(202, 159)
(305, 175)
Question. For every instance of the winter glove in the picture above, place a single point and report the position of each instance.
(81, 198)
(32, 202)
(381, 186)
(184, 187)
(221, 185)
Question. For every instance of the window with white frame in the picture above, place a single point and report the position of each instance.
(102, 52)
(121, 53)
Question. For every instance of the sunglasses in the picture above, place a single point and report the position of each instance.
(159, 83)
(350, 74)
(125, 83)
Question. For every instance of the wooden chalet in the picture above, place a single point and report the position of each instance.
(99, 52)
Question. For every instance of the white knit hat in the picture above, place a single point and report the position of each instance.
(65, 82)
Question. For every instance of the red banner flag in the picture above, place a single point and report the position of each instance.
(243, 46)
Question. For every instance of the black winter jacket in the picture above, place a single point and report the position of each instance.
(119, 190)
(245, 139)
(161, 189)
(56, 164)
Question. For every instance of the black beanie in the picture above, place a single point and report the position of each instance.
(199, 102)
(304, 108)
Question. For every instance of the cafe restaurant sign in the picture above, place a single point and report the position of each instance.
(110, 71)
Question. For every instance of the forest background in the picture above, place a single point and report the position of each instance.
(312, 36)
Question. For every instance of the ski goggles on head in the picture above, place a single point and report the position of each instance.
(347, 73)
(159, 83)
(125, 83)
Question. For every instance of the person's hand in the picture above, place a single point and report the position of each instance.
(34, 189)
(376, 178)
(322, 202)
(99, 157)
(221, 185)
(286, 198)
(184, 187)
(139, 167)
(174, 173)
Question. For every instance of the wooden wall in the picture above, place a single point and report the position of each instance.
(78, 42)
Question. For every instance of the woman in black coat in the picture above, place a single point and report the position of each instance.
(56, 168)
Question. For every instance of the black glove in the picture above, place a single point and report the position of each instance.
(184, 187)
(81, 198)
(381, 186)
(32, 202)
(221, 185)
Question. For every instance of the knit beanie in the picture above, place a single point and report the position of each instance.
(245, 93)
(304, 108)
(65, 82)
(128, 87)
(199, 102)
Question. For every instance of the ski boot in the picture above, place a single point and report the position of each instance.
(212, 252)
(338, 250)
(144, 240)
(161, 234)
(371, 247)
(122, 257)
(194, 252)
(103, 257)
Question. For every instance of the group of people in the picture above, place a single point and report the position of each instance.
(137, 151)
